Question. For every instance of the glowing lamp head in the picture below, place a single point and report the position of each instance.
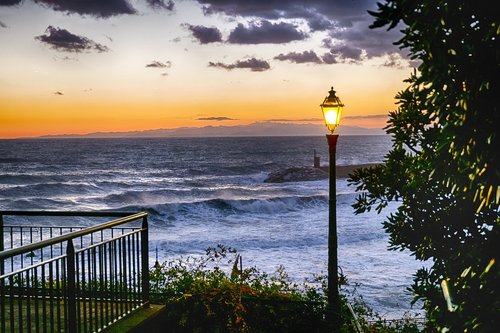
(332, 110)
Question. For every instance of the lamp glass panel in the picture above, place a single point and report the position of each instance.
(332, 117)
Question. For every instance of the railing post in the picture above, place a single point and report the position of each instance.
(1, 233)
(1, 244)
(71, 286)
(2, 271)
(145, 260)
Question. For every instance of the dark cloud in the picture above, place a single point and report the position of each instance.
(216, 118)
(96, 8)
(3, 25)
(343, 54)
(346, 21)
(344, 12)
(320, 24)
(265, 32)
(255, 65)
(161, 4)
(300, 58)
(9, 2)
(376, 42)
(347, 52)
(205, 35)
(63, 40)
(327, 43)
(329, 58)
(158, 64)
(58, 93)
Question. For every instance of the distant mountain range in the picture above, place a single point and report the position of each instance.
(255, 129)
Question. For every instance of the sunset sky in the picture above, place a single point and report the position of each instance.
(72, 66)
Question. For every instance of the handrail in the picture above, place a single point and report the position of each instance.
(59, 239)
(88, 288)
(357, 326)
(64, 213)
(27, 268)
(38, 226)
(75, 251)
(107, 241)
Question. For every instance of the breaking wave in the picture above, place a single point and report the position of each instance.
(225, 207)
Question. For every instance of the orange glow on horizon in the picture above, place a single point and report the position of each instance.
(52, 114)
(56, 115)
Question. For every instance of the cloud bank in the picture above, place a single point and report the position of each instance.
(300, 57)
(216, 118)
(95, 8)
(63, 40)
(205, 35)
(265, 32)
(159, 64)
(346, 22)
(315, 12)
(160, 4)
(9, 2)
(255, 65)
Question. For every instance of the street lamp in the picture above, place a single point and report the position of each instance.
(332, 110)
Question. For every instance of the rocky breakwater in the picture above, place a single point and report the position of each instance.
(296, 174)
(300, 174)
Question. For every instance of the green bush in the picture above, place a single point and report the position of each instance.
(206, 295)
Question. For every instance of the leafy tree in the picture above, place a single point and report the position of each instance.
(444, 166)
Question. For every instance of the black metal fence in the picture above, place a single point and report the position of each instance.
(72, 279)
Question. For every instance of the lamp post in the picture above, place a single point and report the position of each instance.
(332, 110)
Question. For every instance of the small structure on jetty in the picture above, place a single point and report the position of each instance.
(317, 163)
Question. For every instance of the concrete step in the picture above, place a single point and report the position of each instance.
(147, 319)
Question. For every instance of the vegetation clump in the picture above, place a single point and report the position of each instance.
(213, 294)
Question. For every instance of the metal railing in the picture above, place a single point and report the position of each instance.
(72, 279)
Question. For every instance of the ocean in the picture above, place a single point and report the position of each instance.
(201, 192)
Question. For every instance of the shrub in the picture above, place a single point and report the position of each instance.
(206, 295)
